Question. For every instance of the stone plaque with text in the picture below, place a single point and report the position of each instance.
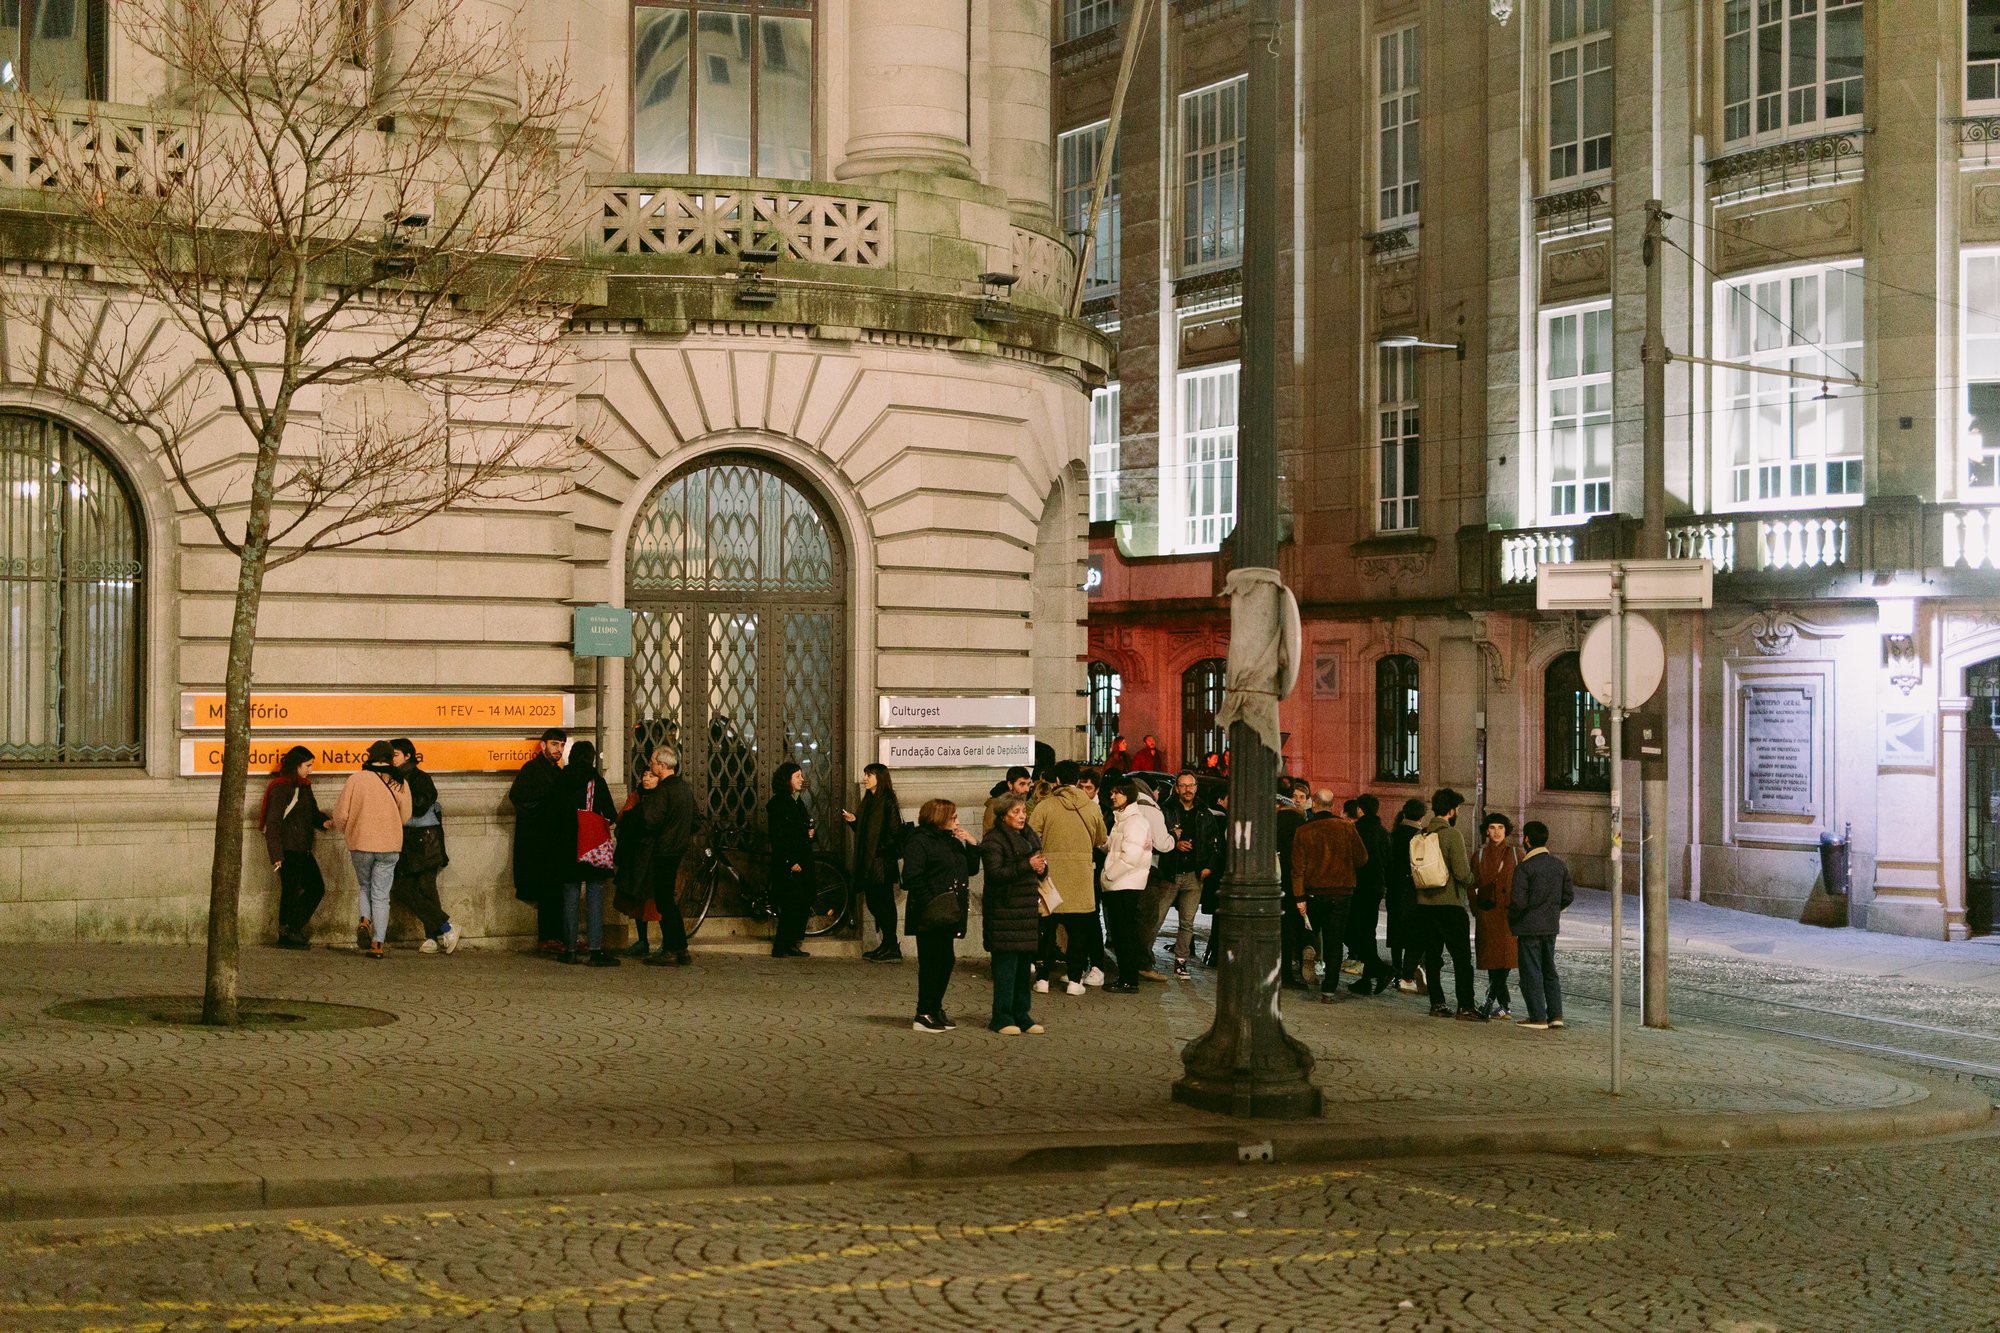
(1779, 726)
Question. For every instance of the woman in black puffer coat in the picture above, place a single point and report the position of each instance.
(939, 860)
(1014, 864)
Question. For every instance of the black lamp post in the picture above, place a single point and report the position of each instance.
(1246, 1064)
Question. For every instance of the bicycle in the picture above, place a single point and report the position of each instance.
(725, 860)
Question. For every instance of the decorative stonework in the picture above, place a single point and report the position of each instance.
(1771, 633)
(1394, 575)
(1904, 662)
(1493, 636)
(1396, 292)
(728, 218)
(1750, 235)
(1577, 268)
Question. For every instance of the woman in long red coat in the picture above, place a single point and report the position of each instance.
(1493, 878)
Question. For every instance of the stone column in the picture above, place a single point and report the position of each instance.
(1017, 94)
(907, 89)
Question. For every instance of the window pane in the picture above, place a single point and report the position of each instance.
(722, 104)
(10, 45)
(660, 91)
(784, 98)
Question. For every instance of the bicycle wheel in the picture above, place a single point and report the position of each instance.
(830, 902)
(694, 890)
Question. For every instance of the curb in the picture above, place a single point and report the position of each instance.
(227, 1187)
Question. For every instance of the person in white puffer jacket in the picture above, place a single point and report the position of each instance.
(1128, 865)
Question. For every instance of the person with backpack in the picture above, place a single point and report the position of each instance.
(289, 818)
(374, 804)
(1071, 830)
(587, 797)
(1406, 925)
(1442, 873)
(1542, 889)
(415, 888)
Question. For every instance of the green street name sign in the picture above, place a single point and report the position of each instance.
(603, 631)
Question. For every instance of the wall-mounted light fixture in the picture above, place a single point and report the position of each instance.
(752, 288)
(996, 298)
(1412, 340)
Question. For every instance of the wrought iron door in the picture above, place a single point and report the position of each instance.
(1982, 796)
(736, 582)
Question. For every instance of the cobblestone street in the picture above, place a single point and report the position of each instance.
(1876, 1239)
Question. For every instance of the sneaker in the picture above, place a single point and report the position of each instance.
(1503, 1015)
(638, 949)
(375, 949)
(364, 933)
(1094, 977)
(1333, 997)
(945, 1018)
(1150, 974)
(449, 940)
(1034, 1029)
(569, 956)
(603, 958)
(1009, 1031)
(1123, 988)
(1406, 986)
(1471, 1016)
(682, 959)
(928, 1023)
(1041, 986)
(1439, 1011)
(661, 959)
(1351, 968)
(1531, 1023)
(1074, 988)
(1181, 972)
(1555, 1022)
(428, 946)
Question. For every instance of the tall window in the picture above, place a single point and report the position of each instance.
(1083, 17)
(1396, 716)
(1979, 431)
(1105, 688)
(1077, 154)
(1398, 98)
(1212, 122)
(1201, 700)
(71, 569)
(1787, 439)
(723, 87)
(1789, 66)
(1199, 488)
(1104, 454)
(1579, 88)
(53, 48)
(1576, 411)
(1573, 727)
(1982, 51)
(1396, 437)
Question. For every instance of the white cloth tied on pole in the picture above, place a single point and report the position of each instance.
(1264, 643)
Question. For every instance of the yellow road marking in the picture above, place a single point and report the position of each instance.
(392, 1269)
(1462, 1200)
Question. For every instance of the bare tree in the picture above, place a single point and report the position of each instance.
(326, 284)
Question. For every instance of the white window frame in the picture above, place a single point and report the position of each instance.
(1398, 440)
(1198, 479)
(1772, 431)
(1978, 472)
(1398, 116)
(1104, 453)
(1790, 110)
(1076, 163)
(1574, 400)
(1579, 71)
(1080, 18)
(1982, 77)
(1212, 124)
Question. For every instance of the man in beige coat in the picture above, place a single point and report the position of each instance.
(1071, 827)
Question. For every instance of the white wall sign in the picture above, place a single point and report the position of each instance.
(988, 712)
(1779, 724)
(957, 751)
(1906, 740)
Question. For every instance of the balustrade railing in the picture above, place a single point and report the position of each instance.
(1523, 553)
(126, 150)
(1971, 538)
(692, 217)
(1802, 542)
(1713, 540)
(1819, 159)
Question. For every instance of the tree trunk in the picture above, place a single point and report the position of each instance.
(225, 878)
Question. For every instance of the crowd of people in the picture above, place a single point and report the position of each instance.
(1079, 868)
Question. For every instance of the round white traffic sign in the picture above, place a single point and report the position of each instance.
(1645, 660)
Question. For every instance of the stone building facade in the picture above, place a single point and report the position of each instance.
(852, 470)
(1465, 298)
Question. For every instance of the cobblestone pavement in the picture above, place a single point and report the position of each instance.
(1770, 1242)
(508, 1052)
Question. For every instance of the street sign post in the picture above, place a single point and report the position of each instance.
(1619, 586)
(599, 632)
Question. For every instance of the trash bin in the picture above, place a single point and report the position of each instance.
(1833, 861)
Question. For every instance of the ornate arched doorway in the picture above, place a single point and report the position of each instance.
(737, 580)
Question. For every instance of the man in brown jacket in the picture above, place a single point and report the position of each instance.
(1326, 853)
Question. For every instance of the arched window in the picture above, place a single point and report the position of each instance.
(1201, 700)
(1105, 688)
(1396, 717)
(1573, 726)
(723, 87)
(71, 566)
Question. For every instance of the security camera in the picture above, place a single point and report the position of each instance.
(412, 217)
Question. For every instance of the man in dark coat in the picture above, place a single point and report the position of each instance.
(1542, 889)
(1366, 909)
(653, 838)
(544, 838)
(1294, 803)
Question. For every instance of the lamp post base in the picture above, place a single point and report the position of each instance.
(1247, 1097)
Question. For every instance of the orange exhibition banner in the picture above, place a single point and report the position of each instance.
(436, 754)
(387, 714)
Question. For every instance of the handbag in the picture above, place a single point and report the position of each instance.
(941, 912)
(1050, 899)
(594, 843)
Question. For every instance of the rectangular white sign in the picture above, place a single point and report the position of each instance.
(991, 712)
(957, 751)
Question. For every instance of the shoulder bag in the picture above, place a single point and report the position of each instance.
(594, 843)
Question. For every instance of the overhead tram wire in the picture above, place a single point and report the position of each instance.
(1799, 339)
